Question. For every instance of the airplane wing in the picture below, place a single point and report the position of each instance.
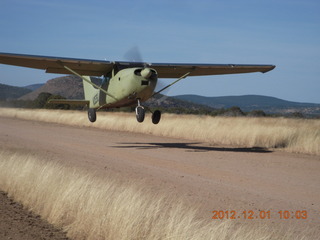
(98, 68)
(176, 70)
(55, 64)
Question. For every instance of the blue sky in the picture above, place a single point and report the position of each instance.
(285, 33)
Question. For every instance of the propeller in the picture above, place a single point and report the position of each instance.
(134, 55)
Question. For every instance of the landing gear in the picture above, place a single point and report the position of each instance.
(140, 112)
(156, 116)
(92, 115)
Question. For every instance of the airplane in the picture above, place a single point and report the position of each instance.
(124, 83)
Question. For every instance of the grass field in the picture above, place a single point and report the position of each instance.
(292, 135)
(90, 207)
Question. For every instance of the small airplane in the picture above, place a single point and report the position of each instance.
(123, 83)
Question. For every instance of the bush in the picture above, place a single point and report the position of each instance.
(257, 113)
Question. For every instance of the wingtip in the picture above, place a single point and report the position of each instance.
(270, 68)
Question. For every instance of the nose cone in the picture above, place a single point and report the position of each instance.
(146, 73)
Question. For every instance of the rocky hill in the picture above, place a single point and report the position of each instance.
(67, 86)
(33, 87)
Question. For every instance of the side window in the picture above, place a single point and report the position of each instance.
(105, 81)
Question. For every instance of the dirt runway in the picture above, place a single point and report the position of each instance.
(247, 181)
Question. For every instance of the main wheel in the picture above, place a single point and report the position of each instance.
(156, 116)
(92, 115)
(140, 112)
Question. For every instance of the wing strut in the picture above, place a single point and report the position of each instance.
(84, 78)
(184, 76)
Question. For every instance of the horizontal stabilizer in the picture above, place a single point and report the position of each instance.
(69, 101)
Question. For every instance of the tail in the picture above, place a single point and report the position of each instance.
(91, 94)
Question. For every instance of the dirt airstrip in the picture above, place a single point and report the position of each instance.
(213, 178)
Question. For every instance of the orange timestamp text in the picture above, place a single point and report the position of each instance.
(259, 214)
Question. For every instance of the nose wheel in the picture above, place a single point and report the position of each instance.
(140, 114)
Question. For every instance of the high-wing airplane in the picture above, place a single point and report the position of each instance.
(124, 83)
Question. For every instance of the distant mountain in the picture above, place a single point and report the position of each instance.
(34, 86)
(162, 101)
(254, 102)
(67, 86)
(8, 92)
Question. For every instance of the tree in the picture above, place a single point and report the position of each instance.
(297, 115)
(257, 113)
(233, 112)
(41, 100)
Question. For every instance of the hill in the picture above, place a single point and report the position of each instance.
(170, 104)
(34, 86)
(66, 86)
(254, 102)
(8, 92)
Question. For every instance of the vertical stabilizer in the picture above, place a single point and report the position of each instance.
(91, 94)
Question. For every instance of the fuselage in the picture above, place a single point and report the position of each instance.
(125, 87)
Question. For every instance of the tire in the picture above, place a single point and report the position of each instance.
(156, 116)
(92, 115)
(140, 112)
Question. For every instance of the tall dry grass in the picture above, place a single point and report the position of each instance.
(91, 207)
(293, 135)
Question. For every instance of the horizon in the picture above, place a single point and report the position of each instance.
(283, 33)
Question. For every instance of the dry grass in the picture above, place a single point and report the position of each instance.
(91, 207)
(293, 135)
